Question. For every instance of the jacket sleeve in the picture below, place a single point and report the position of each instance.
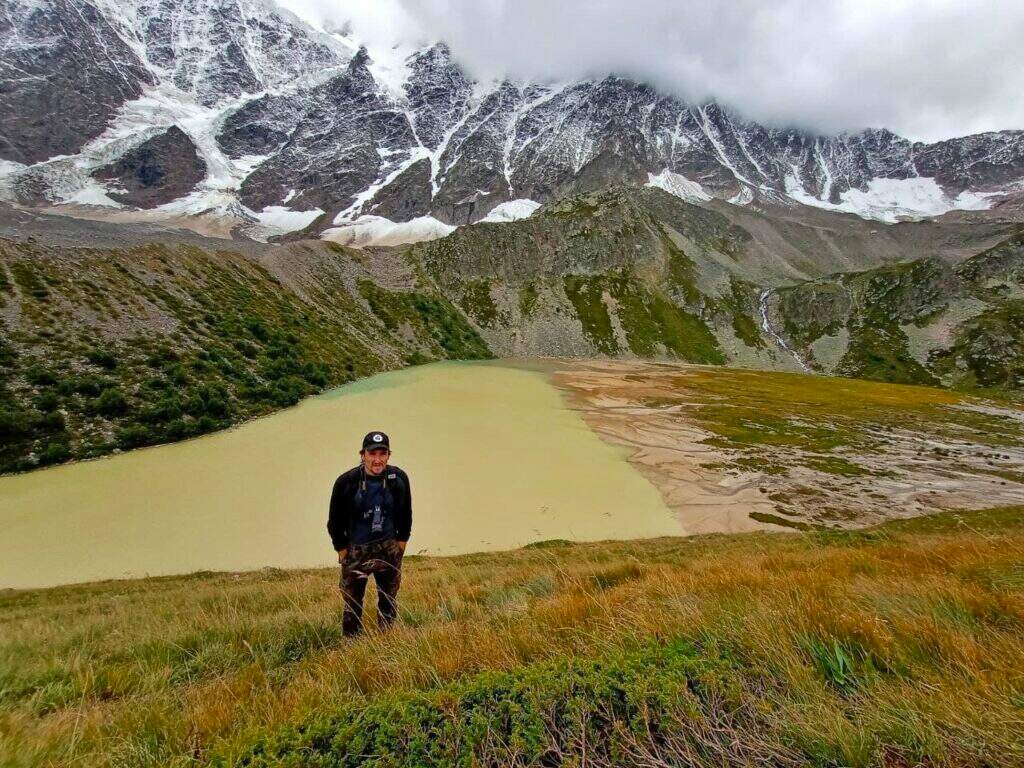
(337, 517)
(403, 511)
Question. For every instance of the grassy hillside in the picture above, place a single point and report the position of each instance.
(917, 322)
(894, 646)
(106, 349)
(645, 274)
(618, 272)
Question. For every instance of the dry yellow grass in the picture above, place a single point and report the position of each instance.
(901, 644)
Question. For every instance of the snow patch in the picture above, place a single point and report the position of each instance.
(976, 201)
(891, 200)
(9, 171)
(676, 184)
(206, 201)
(92, 194)
(196, 44)
(159, 108)
(744, 197)
(513, 210)
(377, 230)
(279, 220)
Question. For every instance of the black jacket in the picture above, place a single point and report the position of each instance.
(339, 520)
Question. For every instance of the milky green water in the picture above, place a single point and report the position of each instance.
(495, 458)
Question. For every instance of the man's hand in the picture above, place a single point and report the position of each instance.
(341, 555)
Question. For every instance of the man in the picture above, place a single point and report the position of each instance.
(369, 522)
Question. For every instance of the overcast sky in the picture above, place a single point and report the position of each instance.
(928, 69)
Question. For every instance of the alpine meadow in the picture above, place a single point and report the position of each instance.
(408, 384)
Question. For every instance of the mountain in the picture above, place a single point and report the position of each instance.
(922, 322)
(593, 218)
(294, 129)
(628, 272)
(112, 338)
(69, 66)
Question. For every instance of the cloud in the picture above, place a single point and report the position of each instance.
(925, 68)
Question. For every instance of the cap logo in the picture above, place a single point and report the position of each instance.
(378, 438)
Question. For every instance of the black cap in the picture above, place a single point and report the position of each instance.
(376, 440)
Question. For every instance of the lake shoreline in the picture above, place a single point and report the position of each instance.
(669, 452)
(256, 495)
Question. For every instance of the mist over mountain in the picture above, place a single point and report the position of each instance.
(927, 70)
(279, 126)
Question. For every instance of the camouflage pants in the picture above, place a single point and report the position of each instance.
(382, 560)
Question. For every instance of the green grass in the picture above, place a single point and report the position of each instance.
(434, 320)
(878, 350)
(585, 293)
(836, 465)
(819, 414)
(895, 645)
(873, 305)
(27, 279)
(830, 451)
(538, 715)
(682, 271)
(528, 296)
(476, 301)
(653, 324)
(988, 350)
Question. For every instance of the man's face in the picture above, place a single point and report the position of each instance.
(375, 459)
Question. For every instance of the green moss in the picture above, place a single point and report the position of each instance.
(880, 352)
(572, 208)
(741, 300)
(767, 517)
(749, 426)
(643, 333)
(682, 271)
(836, 465)
(549, 544)
(585, 294)
(434, 320)
(528, 296)
(651, 322)
(29, 281)
(685, 334)
(477, 302)
(762, 464)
